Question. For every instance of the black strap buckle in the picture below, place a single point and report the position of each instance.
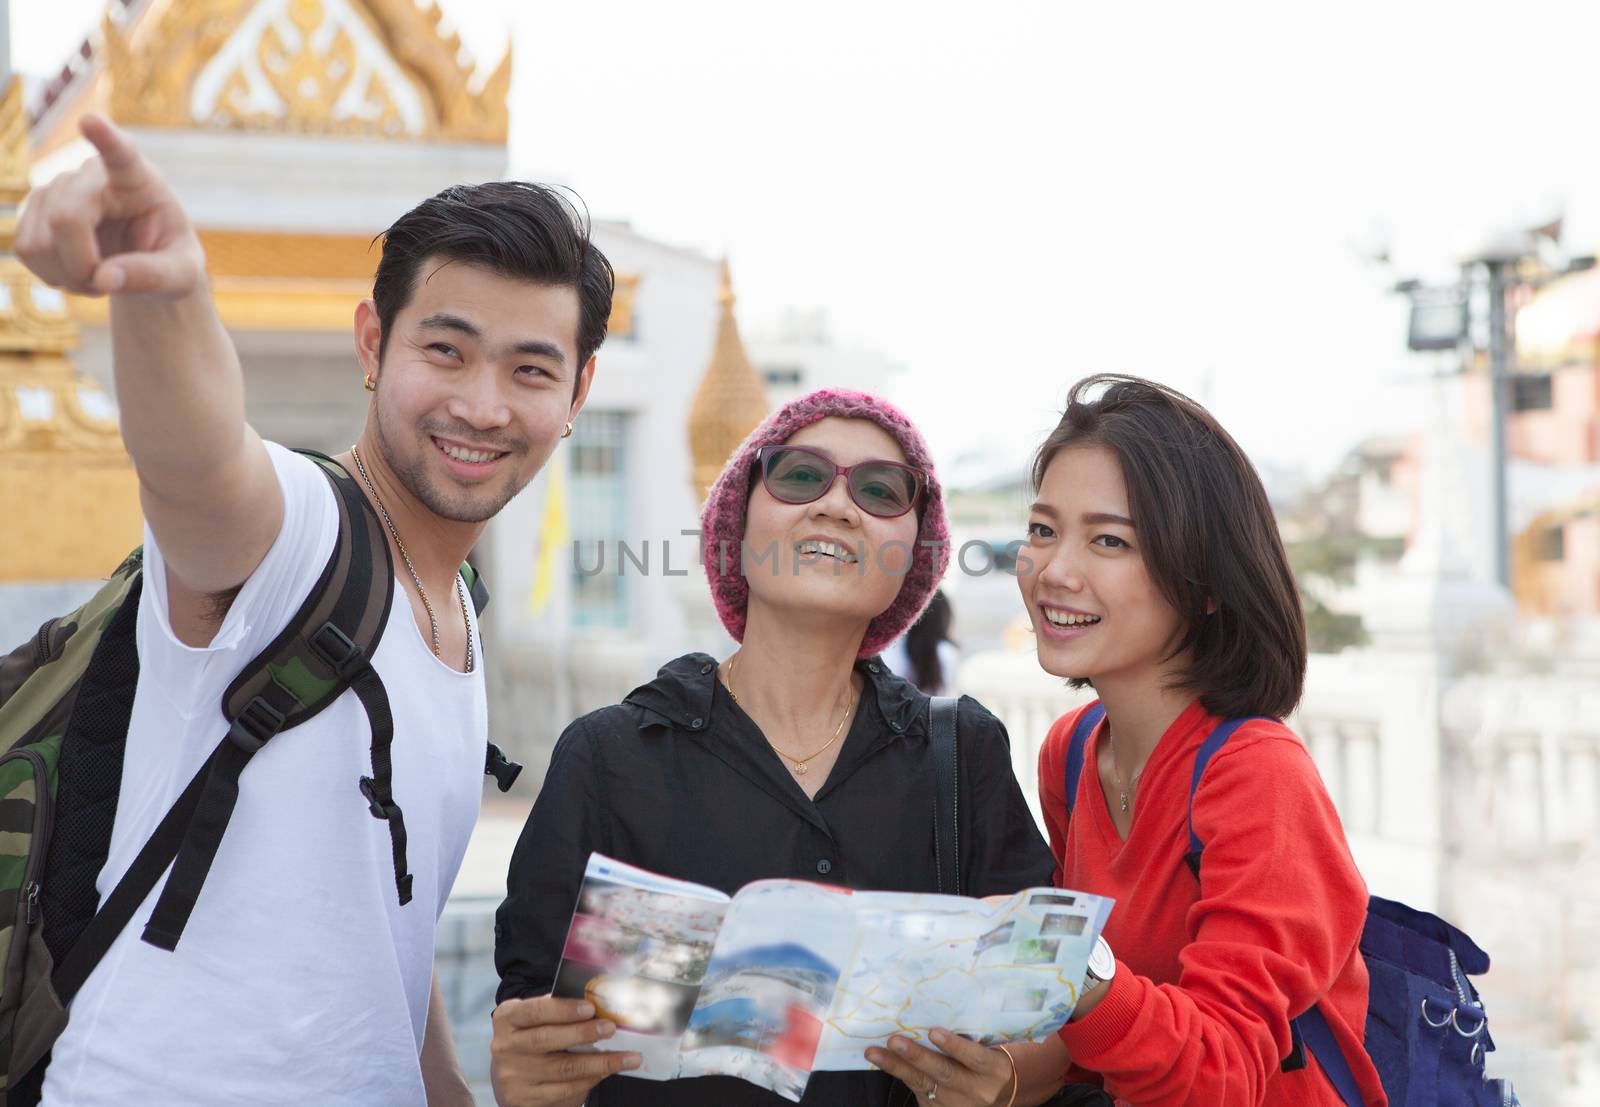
(258, 722)
(379, 807)
(502, 768)
(336, 648)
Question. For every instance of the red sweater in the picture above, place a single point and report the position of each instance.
(1209, 972)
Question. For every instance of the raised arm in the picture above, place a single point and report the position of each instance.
(113, 227)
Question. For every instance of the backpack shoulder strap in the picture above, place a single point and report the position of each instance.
(89, 775)
(1311, 1030)
(1208, 749)
(1080, 738)
(39, 680)
(946, 781)
(1306, 1028)
(323, 650)
(478, 590)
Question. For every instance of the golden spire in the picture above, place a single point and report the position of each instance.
(68, 492)
(730, 402)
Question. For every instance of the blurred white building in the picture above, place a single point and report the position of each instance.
(800, 354)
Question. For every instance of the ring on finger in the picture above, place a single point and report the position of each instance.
(933, 1091)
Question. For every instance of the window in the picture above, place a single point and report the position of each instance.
(1552, 544)
(1532, 392)
(783, 376)
(597, 502)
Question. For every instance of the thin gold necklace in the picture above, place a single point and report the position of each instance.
(799, 763)
(433, 623)
(1133, 784)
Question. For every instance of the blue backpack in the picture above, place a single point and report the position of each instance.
(1426, 1033)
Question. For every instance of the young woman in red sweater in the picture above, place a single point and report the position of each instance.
(1154, 572)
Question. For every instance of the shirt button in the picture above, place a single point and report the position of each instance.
(824, 866)
(697, 724)
(873, 668)
(706, 668)
(896, 727)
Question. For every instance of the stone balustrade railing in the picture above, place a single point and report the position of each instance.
(1342, 720)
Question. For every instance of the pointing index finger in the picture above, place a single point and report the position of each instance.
(117, 151)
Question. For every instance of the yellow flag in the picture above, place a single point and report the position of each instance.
(554, 534)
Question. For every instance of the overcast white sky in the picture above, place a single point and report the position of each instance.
(1007, 196)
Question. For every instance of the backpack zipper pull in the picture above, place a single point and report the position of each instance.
(31, 898)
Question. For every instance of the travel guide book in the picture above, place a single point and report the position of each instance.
(789, 977)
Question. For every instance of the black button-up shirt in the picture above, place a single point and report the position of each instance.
(678, 779)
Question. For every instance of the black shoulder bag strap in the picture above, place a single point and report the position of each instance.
(946, 776)
(325, 649)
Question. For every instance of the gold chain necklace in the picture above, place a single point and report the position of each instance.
(1133, 784)
(433, 623)
(799, 763)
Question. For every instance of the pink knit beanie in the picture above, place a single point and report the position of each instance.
(722, 522)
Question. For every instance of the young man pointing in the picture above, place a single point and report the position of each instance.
(302, 977)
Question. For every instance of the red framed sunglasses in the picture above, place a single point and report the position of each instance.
(799, 475)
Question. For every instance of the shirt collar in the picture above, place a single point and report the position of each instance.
(682, 694)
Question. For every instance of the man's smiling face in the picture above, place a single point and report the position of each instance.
(478, 377)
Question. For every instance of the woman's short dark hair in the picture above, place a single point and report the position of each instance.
(531, 232)
(1208, 535)
(927, 634)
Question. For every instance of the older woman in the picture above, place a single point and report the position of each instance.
(798, 756)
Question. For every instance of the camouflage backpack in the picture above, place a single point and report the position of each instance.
(65, 701)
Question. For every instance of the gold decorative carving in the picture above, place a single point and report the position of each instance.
(154, 66)
(42, 409)
(33, 318)
(386, 118)
(41, 402)
(308, 82)
(481, 116)
(14, 156)
(68, 493)
(730, 402)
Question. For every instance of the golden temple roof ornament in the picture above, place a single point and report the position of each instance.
(730, 402)
(68, 493)
(13, 158)
(373, 68)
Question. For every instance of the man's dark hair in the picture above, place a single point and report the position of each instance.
(1208, 537)
(530, 232)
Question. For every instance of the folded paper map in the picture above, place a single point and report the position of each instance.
(789, 977)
